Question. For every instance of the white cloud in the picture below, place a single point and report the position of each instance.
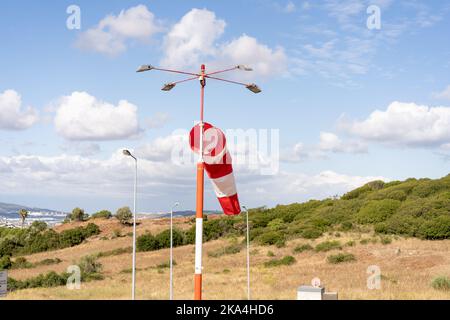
(160, 182)
(110, 36)
(332, 143)
(404, 124)
(12, 114)
(162, 148)
(194, 39)
(248, 51)
(444, 95)
(81, 116)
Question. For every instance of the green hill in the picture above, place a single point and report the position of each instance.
(415, 207)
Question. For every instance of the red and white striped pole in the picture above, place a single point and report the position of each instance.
(200, 194)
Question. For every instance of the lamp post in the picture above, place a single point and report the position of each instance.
(202, 76)
(133, 281)
(248, 254)
(171, 249)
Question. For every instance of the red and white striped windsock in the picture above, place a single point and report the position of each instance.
(218, 165)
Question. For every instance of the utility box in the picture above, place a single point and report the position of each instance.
(310, 293)
(3, 283)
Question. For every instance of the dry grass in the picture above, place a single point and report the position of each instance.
(407, 265)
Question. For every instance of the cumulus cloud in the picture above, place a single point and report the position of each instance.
(328, 143)
(112, 33)
(332, 143)
(13, 116)
(111, 179)
(404, 124)
(195, 39)
(81, 116)
(192, 38)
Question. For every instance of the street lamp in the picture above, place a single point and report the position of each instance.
(133, 284)
(248, 254)
(202, 76)
(171, 248)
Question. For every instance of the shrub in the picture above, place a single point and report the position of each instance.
(341, 257)
(386, 240)
(165, 265)
(77, 215)
(285, 261)
(441, 283)
(270, 254)
(114, 252)
(311, 233)
(271, 238)
(21, 263)
(377, 211)
(350, 243)
(5, 263)
(147, 242)
(163, 238)
(438, 228)
(399, 224)
(91, 230)
(302, 248)
(103, 214)
(346, 226)
(327, 246)
(124, 215)
(231, 249)
(38, 226)
(90, 268)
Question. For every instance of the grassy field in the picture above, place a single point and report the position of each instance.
(407, 266)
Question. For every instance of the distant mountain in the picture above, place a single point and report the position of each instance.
(9, 208)
(186, 213)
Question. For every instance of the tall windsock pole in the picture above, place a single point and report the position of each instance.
(200, 194)
(202, 76)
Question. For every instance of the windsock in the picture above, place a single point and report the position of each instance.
(218, 165)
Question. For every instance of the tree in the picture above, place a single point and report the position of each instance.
(77, 214)
(23, 215)
(124, 215)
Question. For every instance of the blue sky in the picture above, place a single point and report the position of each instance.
(351, 104)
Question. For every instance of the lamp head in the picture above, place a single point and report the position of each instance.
(253, 88)
(244, 68)
(145, 67)
(127, 153)
(168, 87)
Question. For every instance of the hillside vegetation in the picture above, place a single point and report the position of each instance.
(351, 231)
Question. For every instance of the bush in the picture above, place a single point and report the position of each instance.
(271, 238)
(327, 246)
(311, 233)
(377, 211)
(77, 215)
(438, 228)
(231, 249)
(285, 261)
(399, 224)
(124, 215)
(21, 263)
(163, 238)
(441, 283)
(38, 226)
(5, 263)
(340, 258)
(90, 268)
(302, 248)
(386, 240)
(103, 214)
(147, 242)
